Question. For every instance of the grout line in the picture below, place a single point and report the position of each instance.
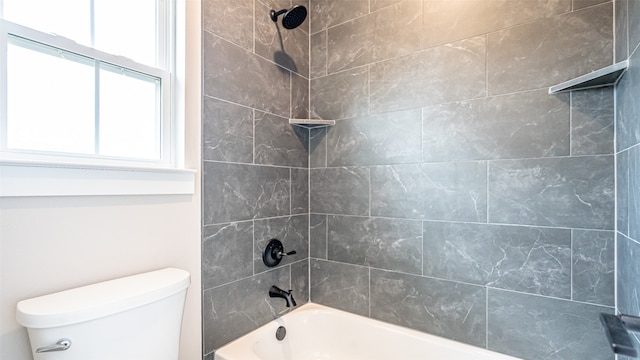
(571, 265)
(486, 324)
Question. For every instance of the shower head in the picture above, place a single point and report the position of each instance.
(292, 18)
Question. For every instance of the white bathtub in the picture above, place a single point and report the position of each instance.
(316, 332)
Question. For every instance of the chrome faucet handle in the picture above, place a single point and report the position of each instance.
(62, 345)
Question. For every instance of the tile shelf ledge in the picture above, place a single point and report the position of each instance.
(607, 76)
(311, 123)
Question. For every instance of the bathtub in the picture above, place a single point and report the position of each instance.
(316, 332)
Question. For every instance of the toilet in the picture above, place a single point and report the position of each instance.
(132, 318)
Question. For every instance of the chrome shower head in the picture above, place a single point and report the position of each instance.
(292, 18)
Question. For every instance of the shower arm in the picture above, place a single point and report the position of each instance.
(275, 14)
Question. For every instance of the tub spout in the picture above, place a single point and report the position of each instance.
(275, 291)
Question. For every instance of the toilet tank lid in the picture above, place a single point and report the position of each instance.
(101, 299)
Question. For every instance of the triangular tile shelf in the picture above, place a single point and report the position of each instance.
(311, 123)
(607, 76)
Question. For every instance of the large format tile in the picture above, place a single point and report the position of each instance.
(328, 13)
(278, 143)
(340, 191)
(634, 25)
(439, 191)
(318, 236)
(550, 51)
(627, 105)
(444, 308)
(300, 281)
(299, 97)
(341, 95)
(529, 124)
(533, 327)
(227, 131)
(525, 259)
(232, 310)
(634, 193)
(292, 231)
(234, 74)
(622, 192)
(391, 32)
(593, 267)
(442, 74)
(391, 244)
(233, 192)
(621, 34)
(592, 122)
(580, 4)
(318, 148)
(341, 286)
(227, 253)
(389, 138)
(318, 61)
(299, 191)
(567, 192)
(628, 276)
(231, 20)
(451, 20)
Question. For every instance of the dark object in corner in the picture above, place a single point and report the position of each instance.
(618, 334)
(292, 18)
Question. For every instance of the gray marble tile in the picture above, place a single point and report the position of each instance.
(227, 131)
(390, 32)
(442, 74)
(299, 191)
(318, 44)
(342, 190)
(593, 266)
(299, 97)
(379, 4)
(227, 253)
(287, 48)
(278, 143)
(533, 327)
(384, 139)
(525, 259)
(232, 310)
(234, 74)
(444, 308)
(567, 192)
(318, 148)
(341, 286)
(634, 193)
(390, 244)
(628, 279)
(327, 13)
(451, 20)
(627, 106)
(592, 122)
(634, 25)
(580, 4)
(341, 95)
(233, 192)
(292, 231)
(439, 191)
(528, 124)
(300, 281)
(622, 192)
(550, 51)
(231, 20)
(621, 34)
(318, 236)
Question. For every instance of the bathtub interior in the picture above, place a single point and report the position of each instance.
(317, 332)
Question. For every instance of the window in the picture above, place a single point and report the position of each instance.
(87, 83)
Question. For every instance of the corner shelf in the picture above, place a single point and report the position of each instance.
(311, 123)
(607, 76)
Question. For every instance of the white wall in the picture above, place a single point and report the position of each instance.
(49, 244)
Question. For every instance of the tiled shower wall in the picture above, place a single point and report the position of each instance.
(627, 32)
(255, 165)
(454, 195)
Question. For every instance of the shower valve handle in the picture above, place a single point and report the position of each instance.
(274, 252)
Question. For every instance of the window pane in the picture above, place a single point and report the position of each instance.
(129, 114)
(127, 28)
(68, 18)
(50, 99)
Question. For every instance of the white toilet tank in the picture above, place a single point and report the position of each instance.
(133, 318)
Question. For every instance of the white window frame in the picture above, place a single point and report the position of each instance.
(29, 174)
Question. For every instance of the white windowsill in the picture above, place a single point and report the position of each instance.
(22, 178)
